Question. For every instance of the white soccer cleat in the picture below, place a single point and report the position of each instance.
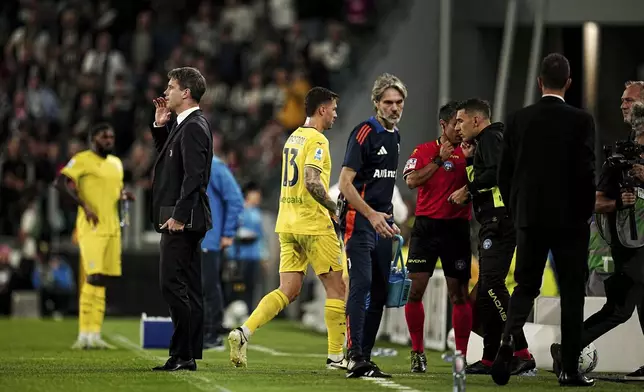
(238, 344)
(337, 365)
(82, 343)
(95, 342)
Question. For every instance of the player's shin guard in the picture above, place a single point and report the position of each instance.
(415, 316)
(462, 323)
(85, 309)
(335, 325)
(269, 307)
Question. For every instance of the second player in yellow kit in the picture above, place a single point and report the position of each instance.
(306, 232)
(305, 228)
(94, 180)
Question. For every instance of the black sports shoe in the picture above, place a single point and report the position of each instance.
(555, 352)
(478, 368)
(357, 367)
(375, 372)
(418, 362)
(636, 375)
(502, 366)
(522, 366)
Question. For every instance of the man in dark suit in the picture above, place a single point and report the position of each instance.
(546, 175)
(180, 209)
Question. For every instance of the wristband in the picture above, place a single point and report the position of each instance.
(438, 161)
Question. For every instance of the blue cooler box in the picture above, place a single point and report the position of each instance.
(399, 283)
(156, 332)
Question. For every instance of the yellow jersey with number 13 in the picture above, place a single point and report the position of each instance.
(299, 213)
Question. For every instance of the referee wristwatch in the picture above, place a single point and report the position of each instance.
(438, 161)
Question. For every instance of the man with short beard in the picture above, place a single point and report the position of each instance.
(441, 229)
(93, 179)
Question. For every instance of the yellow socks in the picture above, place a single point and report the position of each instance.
(269, 307)
(335, 320)
(85, 309)
(99, 309)
(91, 309)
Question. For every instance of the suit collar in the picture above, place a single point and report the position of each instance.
(184, 115)
(174, 131)
(553, 98)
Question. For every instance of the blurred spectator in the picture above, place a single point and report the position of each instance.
(17, 175)
(334, 54)
(105, 61)
(248, 250)
(54, 280)
(67, 65)
(6, 280)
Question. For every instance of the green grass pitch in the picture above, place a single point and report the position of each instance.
(35, 356)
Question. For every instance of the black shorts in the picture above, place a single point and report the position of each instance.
(448, 239)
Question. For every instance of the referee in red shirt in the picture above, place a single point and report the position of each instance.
(441, 229)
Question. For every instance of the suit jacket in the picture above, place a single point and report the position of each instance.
(181, 173)
(547, 169)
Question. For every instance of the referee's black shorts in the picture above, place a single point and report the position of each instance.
(448, 239)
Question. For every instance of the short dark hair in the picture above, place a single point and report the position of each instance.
(316, 97)
(448, 111)
(98, 128)
(476, 105)
(190, 78)
(251, 186)
(555, 71)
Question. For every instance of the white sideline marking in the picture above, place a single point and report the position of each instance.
(383, 382)
(201, 382)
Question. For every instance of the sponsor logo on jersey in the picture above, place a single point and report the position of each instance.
(384, 173)
(291, 200)
(295, 139)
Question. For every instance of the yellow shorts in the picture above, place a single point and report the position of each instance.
(297, 251)
(101, 255)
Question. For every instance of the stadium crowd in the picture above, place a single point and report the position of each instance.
(68, 64)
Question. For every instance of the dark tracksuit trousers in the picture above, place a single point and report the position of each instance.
(624, 293)
(497, 240)
(369, 260)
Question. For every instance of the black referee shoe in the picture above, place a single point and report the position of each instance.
(502, 366)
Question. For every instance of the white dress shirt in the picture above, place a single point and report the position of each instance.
(182, 116)
(553, 95)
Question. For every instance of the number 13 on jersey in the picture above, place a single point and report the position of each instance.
(290, 154)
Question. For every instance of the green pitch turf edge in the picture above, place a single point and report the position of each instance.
(35, 355)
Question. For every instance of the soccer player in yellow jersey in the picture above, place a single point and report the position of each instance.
(305, 224)
(94, 180)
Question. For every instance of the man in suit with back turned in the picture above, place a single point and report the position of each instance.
(180, 209)
(547, 174)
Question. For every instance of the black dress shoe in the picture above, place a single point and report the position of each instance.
(575, 380)
(555, 353)
(502, 366)
(174, 364)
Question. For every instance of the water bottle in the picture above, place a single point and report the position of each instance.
(458, 369)
(125, 213)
